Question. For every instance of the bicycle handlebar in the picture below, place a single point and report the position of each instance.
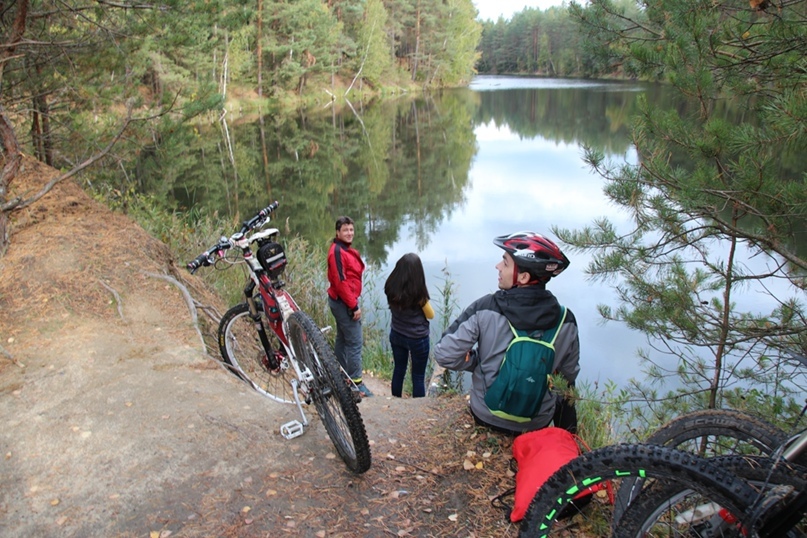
(259, 218)
(206, 258)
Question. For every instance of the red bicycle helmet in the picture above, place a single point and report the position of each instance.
(534, 254)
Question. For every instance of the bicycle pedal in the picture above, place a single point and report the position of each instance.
(292, 429)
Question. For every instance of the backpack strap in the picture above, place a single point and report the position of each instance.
(552, 334)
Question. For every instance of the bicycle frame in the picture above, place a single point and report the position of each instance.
(278, 304)
(293, 363)
(786, 518)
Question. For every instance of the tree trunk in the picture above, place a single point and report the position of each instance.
(259, 50)
(417, 43)
(11, 164)
(40, 130)
(11, 148)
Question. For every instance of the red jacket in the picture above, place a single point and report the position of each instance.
(345, 268)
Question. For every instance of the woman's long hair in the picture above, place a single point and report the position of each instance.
(406, 286)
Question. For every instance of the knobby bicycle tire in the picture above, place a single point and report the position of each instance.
(241, 348)
(709, 433)
(555, 498)
(672, 510)
(330, 393)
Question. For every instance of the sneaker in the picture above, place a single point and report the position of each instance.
(365, 392)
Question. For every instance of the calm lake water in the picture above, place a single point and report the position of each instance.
(531, 181)
(438, 174)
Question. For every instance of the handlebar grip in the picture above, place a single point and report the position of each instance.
(268, 209)
(196, 263)
(259, 218)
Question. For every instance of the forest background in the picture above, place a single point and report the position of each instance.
(97, 82)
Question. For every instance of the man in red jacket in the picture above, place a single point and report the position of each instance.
(345, 269)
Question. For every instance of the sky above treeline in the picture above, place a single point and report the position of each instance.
(493, 9)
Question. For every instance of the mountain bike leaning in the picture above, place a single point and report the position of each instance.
(742, 477)
(277, 348)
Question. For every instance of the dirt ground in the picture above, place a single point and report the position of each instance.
(117, 421)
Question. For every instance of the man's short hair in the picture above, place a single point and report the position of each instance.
(341, 221)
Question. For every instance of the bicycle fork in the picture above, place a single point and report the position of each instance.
(269, 353)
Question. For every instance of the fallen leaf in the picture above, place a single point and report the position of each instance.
(400, 468)
(54, 502)
(321, 534)
(330, 456)
(365, 512)
(453, 517)
(486, 455)
(245, 509)
(479, 465)
(271, 492)
(467, 465)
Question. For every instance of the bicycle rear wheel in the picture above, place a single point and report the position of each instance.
(554, 511)
(241, 348)
(330, 392)
(708, 433)
(669, 509)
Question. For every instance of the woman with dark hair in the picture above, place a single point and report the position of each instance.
(408, 300)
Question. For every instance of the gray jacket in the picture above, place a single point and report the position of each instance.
(484, 325)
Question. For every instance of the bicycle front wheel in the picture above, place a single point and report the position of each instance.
(330, 392)
(555, 510)
(673, 510)
(241, 348)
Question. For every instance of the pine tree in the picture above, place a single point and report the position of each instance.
(718, 209)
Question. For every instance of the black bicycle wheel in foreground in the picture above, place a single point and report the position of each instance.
(554, 512)
(673, 510)
(708, 433)
(330, 393)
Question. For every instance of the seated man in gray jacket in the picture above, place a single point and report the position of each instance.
(477, 340)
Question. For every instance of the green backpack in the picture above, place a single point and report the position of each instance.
(518, 391)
